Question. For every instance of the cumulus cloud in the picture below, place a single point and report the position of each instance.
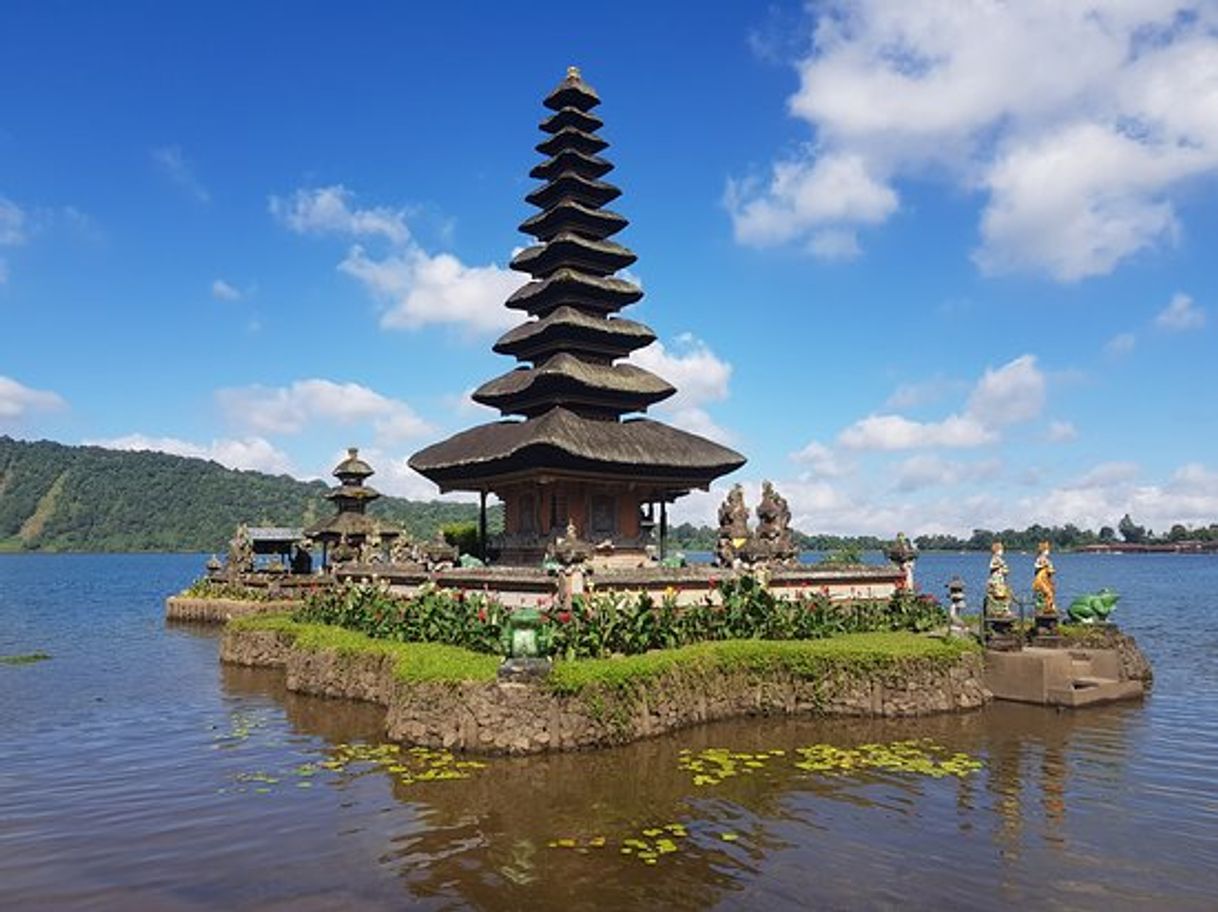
(1010, 394)
(700, 376)
(418, 288)
(331, 210)
(1079, 159)
(820, 460)
(415, 288)
(255, 453)
(290, 409)
(926, 470)
(223, 291)
(18, 401)
(1181, 315)
(170, 161)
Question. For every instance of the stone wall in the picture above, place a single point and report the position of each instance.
(525, 718)
(220, 611)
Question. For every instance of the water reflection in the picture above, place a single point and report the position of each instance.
(1020, 830)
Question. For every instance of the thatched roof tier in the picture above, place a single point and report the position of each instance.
(578, 289)
(352, 525)
(570, 251)
(589, 166)
(353, 492)
(571, 215)
(568, 329)
(572, 138)
(352, 467)
(571, 186)
(572, 92)
(638, 450)
(568, 381)
(572, 117)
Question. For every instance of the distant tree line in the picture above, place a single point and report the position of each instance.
(69, 498)
(1062, 538)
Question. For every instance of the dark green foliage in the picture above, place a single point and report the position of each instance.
(464, 535)
(608, 623)
(111, 500)
(434, 615)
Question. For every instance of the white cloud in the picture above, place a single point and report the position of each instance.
(1181, 315)
(810, 193)
(254, 453)
(329, 210)
(700, 377)
(170, 161)
(17, 400)
(911, 395)
(1078, 124)
(1061, 432)
(290, 409)
(418, 289)
(1011, 394)
(821, 460)
(1121, 344)
(223, 291)
(12, 223)
(895, 432)
(926, 470)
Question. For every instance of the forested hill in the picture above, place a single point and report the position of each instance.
(83, 498)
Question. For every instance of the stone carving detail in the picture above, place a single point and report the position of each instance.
(903, 553)
(568, 549)
(403, 551)
(772, 540)
(240, 552)
(438, 554)
(733, 528)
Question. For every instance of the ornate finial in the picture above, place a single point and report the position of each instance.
(573, 72)
(352, 452)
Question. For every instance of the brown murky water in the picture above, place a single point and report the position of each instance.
(136, 773)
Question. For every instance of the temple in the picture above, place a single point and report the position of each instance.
(351, 533)
(572, 448)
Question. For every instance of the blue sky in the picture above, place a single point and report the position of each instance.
(929, 266)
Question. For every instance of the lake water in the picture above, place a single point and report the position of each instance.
(138, 773)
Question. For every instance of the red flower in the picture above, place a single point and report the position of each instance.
(564, 617)
(482, 615)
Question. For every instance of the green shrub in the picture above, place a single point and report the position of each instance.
(464, 535)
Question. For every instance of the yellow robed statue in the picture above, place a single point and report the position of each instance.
(1043, 587)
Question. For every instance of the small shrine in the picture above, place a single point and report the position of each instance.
(351, 535)
(572, 450)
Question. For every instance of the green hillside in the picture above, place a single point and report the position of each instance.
(69, 498)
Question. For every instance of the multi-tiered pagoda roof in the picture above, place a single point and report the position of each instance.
(566, 406)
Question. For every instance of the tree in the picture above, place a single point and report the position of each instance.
(1132, 533)
(1107, 535)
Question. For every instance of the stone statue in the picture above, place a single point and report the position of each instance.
(772, 540)
(903, 553)
(403, 551)
(733, 527)
(568, 549)
(1043, 587)
(240, 552)
(343, 552)
(370, 551)
(997, 590)
(438, 554)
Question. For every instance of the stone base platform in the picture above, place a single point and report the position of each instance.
(1069, 677)
(220, 611)
(512, 717)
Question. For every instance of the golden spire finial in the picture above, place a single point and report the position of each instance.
(573, 72)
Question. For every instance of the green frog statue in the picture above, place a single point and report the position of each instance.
(1093, 607)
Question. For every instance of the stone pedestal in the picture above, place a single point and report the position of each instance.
(1001, 635)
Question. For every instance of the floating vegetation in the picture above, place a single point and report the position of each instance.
(713, 765)
(920, 756)
(347, 761)
(648, 847)
(241, 725)
(28, 658)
